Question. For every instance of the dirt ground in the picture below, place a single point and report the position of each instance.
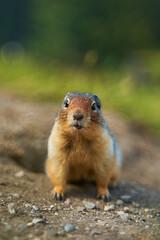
(27, 209)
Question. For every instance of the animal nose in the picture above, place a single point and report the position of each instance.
(78, 116)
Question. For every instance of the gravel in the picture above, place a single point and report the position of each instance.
(29, 138)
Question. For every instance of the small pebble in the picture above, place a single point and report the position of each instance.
(89, 205)
(120, 203)
(136, 204)
(35, 208)
(59, 208)
(30, 224)
(149, 210)
(80, 209)
(1, 195)
(19, 174)
(126, 198)
(16, 195)
(94, 232)
(45, 208)
(11, 208)
(110, 207)
(69, 228)
(100, 223)
(28, 205)
(87, 229)
(38, 220)
(15, 238)
(67, 202)
(51, 207)
(107, 226)
(126, 209)
(60, 230)
(146, 210)
(147, 226)
(123, 215)
(136, 213)
(142, 189)
(158, 214)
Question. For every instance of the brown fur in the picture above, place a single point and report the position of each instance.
(80, 154)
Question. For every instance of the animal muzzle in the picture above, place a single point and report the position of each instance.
(78, 120)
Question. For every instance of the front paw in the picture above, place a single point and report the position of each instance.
(58, 195)
(104, 196)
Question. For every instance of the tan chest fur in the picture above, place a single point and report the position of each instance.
(82, 152)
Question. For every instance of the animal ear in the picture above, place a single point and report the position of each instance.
(97, 100)
(67, 94)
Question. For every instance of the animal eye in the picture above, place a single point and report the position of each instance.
(66, 103)
(93, 106)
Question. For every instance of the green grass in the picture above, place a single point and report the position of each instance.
(50, 82)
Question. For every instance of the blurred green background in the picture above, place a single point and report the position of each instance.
(111, 48)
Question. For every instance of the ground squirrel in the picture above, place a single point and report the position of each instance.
(81, 146)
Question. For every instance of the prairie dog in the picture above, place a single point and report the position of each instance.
(81, 146)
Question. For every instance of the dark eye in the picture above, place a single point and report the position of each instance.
(93, 106)
(66, 103)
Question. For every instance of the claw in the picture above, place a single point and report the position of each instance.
(98, 197)
(107, 197)
(55, 195)
(58, 196)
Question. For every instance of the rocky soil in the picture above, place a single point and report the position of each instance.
(27, 209)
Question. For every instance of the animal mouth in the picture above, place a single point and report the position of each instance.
(77, 121)
(77, 126)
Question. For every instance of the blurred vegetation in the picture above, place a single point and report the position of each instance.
(117, 88)
(67, 30)
(111, 48)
